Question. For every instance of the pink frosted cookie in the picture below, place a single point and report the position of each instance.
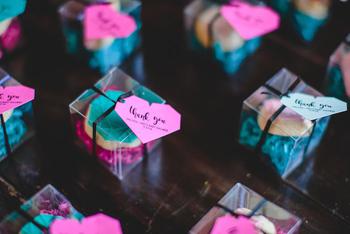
(11, 37)
(115, 142)
(128, 155)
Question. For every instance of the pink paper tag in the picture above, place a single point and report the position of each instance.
(250, 21)
(230, 225)
(102, 21)
(96, 224)
(148, 122)
(14, 96)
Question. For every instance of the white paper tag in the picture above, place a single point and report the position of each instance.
(311, 107)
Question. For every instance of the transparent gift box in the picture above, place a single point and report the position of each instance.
(338, 72)
(37, 214)
(16, 125)
(208, 32)
(100, 54)
(277, 133)
(111, 140)
(241, 200)
(306, 16)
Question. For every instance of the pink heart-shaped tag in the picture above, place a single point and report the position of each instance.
(148, 122)
(102, 21)
(96, 224)
(250, 21)
(230, 225)
(14, 96)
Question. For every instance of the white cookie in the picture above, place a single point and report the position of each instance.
(288, 123)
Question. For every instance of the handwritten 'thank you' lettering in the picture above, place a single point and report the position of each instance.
(14, 96)
(311, 107)
(250, 21)
(228, 224)
(103, 21)
(148, 122)
(145, 116)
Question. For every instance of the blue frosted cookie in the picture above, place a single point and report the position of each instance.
(45, 220)
(111, 130)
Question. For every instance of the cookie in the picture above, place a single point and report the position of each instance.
(226, 36)
(211, 27)
(201, 26)
(112, 132)
(288, 123)
(317, 9)
(11, 38)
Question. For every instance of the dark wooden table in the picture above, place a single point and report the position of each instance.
(195, 167)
